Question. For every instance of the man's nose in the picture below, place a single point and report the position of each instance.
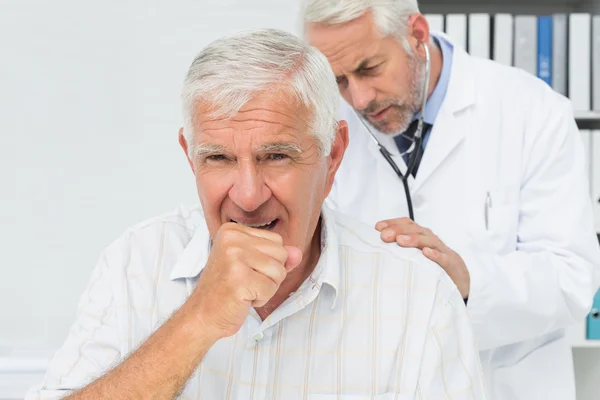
(361, 93)
(249, 190)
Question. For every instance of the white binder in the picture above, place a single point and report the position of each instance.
(596, 63)
(479, 35)
(560, 57)
(456, 29)
(580, 61)
(436, 22)
(526, 43)
(503, 39)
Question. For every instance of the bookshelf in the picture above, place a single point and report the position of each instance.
(588, 119)
(509, 6)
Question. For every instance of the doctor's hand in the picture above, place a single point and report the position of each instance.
(407, 233)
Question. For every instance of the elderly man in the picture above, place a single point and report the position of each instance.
(262, 292)
(496, 187)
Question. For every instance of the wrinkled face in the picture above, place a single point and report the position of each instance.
(375, 74)
(262, 168)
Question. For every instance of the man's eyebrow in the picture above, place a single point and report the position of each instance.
(280, 147)
(208, 148)
(363, 64)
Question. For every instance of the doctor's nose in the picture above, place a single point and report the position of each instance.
(249, 190)
(361, 93)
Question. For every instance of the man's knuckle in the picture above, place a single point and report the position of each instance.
(228, 235)
(279, 272)
(274, 236)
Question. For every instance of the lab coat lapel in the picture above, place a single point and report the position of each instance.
(452, 122)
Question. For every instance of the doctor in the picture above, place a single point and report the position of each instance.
(496, 186)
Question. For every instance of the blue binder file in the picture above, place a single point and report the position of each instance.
(593, 320)
(544, 64)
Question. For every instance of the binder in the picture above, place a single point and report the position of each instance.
(526, 43)
(593, 320)
(580, 61)
(436, 22)
(503, 39)
(596, 63)
(479, 35)
(544, 59)
(559, 53)
(456, 29)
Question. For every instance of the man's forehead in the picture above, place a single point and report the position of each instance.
(345, 45)
(271, 111)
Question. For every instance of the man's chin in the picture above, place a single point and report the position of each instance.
(387, 128)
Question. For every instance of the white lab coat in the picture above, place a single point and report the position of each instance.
(504, 132)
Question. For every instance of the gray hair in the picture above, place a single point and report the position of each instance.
(390, 16)
(231, 70)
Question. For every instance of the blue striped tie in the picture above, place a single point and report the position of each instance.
(405, 140)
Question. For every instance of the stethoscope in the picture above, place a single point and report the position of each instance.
(412, 156)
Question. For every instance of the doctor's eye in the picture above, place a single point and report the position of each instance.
(370, 70)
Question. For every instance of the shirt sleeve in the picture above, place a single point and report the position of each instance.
(92, 346)
(450, 368)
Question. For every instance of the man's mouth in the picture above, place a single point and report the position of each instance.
(379, 115)
(268, 225)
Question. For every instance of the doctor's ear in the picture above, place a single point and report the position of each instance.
(418, 32)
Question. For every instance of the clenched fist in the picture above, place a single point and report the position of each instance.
(244, 269)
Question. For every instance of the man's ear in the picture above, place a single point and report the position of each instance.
(419, 32)
(338, 149)
(184, 145)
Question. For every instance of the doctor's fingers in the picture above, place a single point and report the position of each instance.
(440, 258)
(390, 234)
(421, 241)
(386, 223)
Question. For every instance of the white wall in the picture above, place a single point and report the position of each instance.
(89, 113)
(89, 116)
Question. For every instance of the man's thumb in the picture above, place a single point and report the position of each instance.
(294, 257)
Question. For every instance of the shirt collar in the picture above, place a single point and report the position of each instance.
(327, 271)
(434, 103)
(191, 262)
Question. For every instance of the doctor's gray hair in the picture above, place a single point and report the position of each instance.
(231, 70)
(390, 16)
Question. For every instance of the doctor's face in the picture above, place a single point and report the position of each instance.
(375, 74)
(262, 168)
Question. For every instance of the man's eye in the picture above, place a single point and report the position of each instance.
(216, 157)
(276, 157)
(370, 69)
(341, 81)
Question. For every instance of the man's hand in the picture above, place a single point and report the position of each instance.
(245, 269)
(407, 233)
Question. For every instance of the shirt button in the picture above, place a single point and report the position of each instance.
(258, 337)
